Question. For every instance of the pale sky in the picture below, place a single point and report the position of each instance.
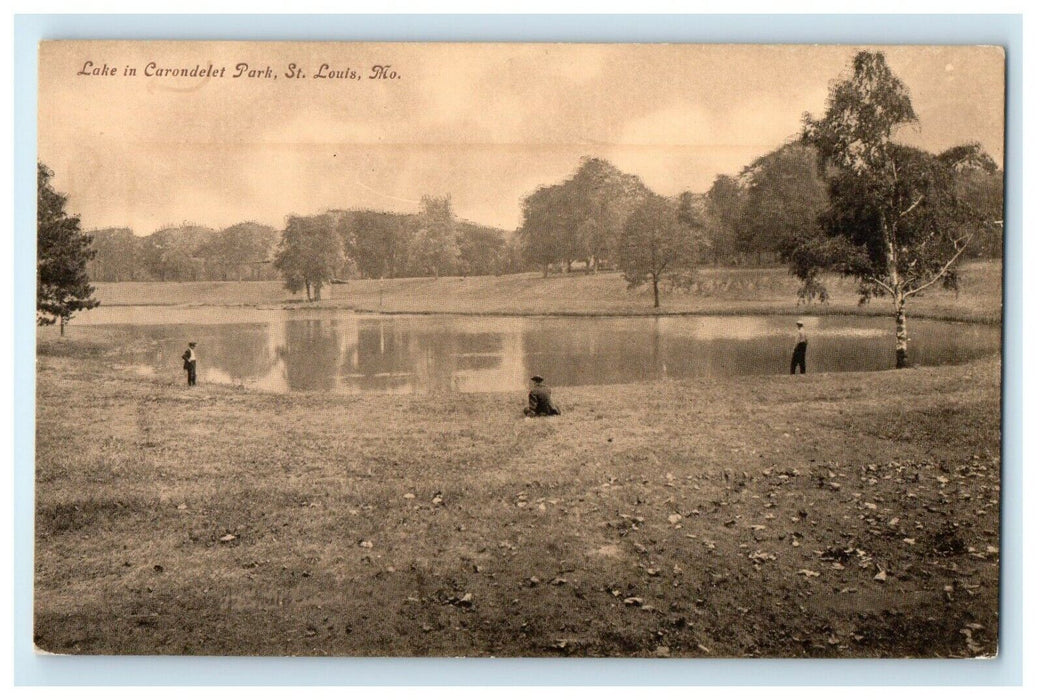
(484, 123)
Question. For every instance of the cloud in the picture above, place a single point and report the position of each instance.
(678, 125)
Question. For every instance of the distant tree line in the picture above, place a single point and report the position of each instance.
(184, 253)
(369, 244)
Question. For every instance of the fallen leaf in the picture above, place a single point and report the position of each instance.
(634, 600)
(366, 544)
(674, 518)
(227, 538)
(881, 575)
(808, 573)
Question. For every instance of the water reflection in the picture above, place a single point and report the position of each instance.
(341, 352)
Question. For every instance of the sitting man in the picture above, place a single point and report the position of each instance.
(540, 403)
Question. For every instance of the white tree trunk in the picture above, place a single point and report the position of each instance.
(901, 336)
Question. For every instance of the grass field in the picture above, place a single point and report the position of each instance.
(717, 291)
(837, 515)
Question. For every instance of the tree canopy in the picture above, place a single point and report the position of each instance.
(726, 202)
(656, 245)
(580, 218)
(434, 247)
(377, 241)
(784, 200)
(310, 254)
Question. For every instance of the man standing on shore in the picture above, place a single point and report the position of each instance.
(540, 403)
(189, 363)
(798, 358)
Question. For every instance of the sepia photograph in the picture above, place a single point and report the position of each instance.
(518, 349)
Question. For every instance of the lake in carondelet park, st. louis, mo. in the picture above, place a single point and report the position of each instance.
(344, 352)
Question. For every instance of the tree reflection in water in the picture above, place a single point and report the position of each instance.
(346, 353)
(311, 354)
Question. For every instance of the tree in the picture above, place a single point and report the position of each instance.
(434, 247)
(581, 218)
(309, 254)
(601, 199)
(785, 198)
(656, 245)
(237, 248)
(726, 201)
(377, 241)
(482, 249)
(118, 255)
(174, 252)
(545, 233)
(981, 187)
(897, 221)
(62, 253)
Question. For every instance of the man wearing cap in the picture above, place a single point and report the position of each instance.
(798, 358)
(189, 363)
(540, 403)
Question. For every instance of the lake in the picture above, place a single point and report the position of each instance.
(343, 352)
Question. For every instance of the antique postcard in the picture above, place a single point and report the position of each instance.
(518, 350)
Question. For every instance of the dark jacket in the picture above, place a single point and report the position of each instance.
(540, 403)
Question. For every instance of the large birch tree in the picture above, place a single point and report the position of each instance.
(896, 219)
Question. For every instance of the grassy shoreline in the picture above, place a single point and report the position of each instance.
(838, 515)
(718, 292)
